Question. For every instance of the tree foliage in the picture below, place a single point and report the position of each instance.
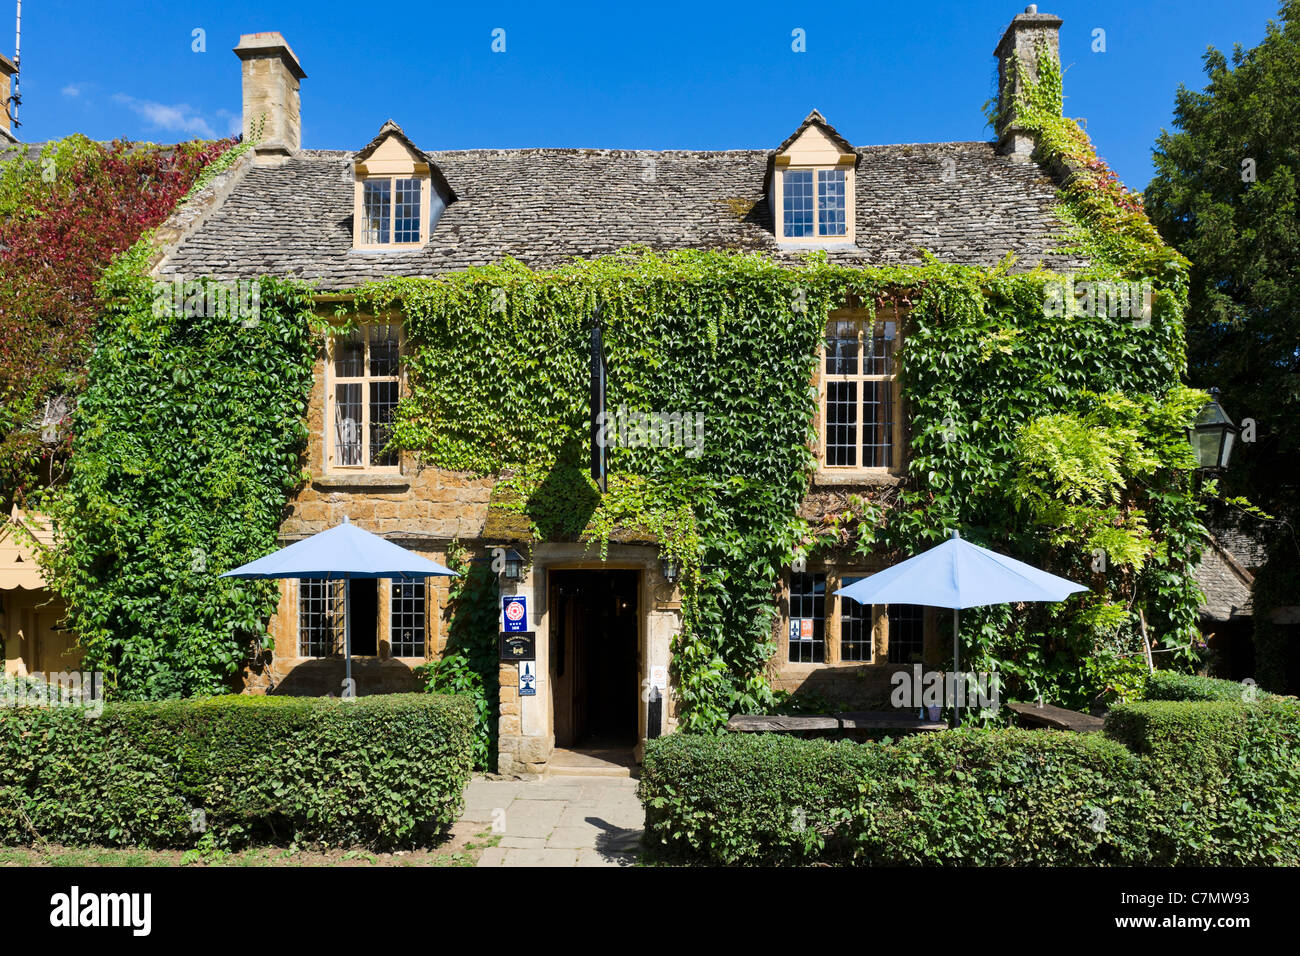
(1225, 194)
(65, 213)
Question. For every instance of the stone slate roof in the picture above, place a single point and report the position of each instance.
(1245, 546)
(548, 206)
(1227, 585)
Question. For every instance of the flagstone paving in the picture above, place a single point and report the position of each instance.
(558, 821)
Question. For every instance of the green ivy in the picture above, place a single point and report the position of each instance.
(188, 442)
(498, 368)
(468, 664)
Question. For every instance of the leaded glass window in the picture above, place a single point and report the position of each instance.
(366, 389)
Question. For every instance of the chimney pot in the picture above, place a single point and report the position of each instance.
(272, 106)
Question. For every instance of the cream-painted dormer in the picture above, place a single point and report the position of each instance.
(399, 193)
(812, 186)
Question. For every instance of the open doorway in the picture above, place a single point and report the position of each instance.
(594, 661)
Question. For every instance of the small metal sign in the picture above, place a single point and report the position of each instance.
(515, 612)
(659, 678)
(519, 646)
(527, 679)
(801, 629)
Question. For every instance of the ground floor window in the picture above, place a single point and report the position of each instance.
(906, 633)
(856, 633)
(402, 621)
(319, 616)
(859, 634)
(406, 619)
(807, 618)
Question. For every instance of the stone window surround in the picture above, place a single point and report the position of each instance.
(367, 475)
(391, 169)
(527, 738)
(839, 475)
(835, 573)
(787, 162)
(292, 591)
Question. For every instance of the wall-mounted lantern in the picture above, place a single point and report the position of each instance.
(668, 567)
(1213, 435)
(513, 568)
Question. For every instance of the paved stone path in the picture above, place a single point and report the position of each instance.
(558, 821)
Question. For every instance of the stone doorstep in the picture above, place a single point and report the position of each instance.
(561, 771)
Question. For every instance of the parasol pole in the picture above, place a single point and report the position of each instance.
(956, 668)
(347, 637)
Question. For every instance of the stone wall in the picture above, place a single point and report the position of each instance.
(425, 509)
(422, 509)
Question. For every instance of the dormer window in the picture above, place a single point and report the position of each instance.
(399, 193)
(814, 196)
(391, 207)
(812, 189)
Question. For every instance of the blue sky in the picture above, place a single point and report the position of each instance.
(635, 75)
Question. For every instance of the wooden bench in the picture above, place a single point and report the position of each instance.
(852, 720)
(1057, 718)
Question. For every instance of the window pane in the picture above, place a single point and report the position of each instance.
(880, 350)
(842, 347)
(798, 199)
(855, 626)
(906, 633)
(842, 424)
(877, 425)
(406, 621)
(383, 350)
(807, 618)
(376, 195)
(347, 423)
(318, 622)
(383, 406)
(406, 211)
(349, 355)
(830, 202)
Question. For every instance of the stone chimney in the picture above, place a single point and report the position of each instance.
(7, 70)
(272, 108)
(1019, 47)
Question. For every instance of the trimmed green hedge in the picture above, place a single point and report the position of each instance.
(1226, 778)
(969, 797)
(1168, 685)
(1207, 783)
(385, 770)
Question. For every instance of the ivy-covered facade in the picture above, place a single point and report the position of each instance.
(821, 358)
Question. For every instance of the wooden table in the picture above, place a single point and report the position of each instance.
(1057, 718)
(851, 720)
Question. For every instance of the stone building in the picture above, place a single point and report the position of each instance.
(339, 218)
(31, 615)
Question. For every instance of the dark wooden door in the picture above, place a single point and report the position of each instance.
(577, 660)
